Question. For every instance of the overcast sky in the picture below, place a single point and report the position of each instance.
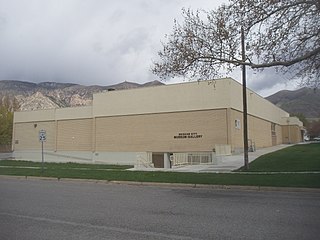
(99, 42)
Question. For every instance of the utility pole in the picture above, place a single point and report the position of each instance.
(244, 94)
(244, 103)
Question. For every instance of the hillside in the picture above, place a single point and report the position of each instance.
(32, 96)
(304, 100)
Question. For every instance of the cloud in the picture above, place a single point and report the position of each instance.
(91, 42)
(270, 80)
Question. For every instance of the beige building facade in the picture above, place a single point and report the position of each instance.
(121, 126)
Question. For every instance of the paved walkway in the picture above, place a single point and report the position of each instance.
(4, 156)
(225, 163)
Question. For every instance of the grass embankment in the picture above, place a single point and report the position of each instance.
(298, 158)
(276, 180)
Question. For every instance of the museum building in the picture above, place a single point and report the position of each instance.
(191, 122)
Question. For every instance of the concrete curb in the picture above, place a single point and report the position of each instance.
(170, 185)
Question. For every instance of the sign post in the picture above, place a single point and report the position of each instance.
(42, 138)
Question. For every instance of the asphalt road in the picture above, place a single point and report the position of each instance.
(46, 209)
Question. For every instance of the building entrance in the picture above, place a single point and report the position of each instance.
(158, 160)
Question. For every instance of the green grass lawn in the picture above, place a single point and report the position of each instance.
(277, 180)
(297, 158)
(68, 165)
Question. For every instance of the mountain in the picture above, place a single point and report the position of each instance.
(33, 96)
(304, 100)
(36, 101)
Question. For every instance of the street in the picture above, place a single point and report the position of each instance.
(50, 209)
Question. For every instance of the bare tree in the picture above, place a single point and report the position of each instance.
(278, 33)
(259, 34)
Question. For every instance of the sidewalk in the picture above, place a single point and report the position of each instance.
(225, 163)
(7, 155)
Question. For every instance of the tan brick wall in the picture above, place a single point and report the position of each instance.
(192, 96)
(44, 115)
(259, 131)
(155, 132)
(74, 135)
(26, 135)
(152, 132)
(295, 134)
(236, 133)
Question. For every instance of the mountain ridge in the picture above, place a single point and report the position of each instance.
(44, 95)
(304, 101)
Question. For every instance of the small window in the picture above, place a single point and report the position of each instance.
(237, 124)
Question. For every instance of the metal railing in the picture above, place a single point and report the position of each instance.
(144, 162)
(193, 158)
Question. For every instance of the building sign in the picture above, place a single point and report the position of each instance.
(187, 135)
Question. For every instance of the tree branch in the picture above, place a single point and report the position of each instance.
(285, 63)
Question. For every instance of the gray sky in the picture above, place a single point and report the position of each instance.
(96, 41)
